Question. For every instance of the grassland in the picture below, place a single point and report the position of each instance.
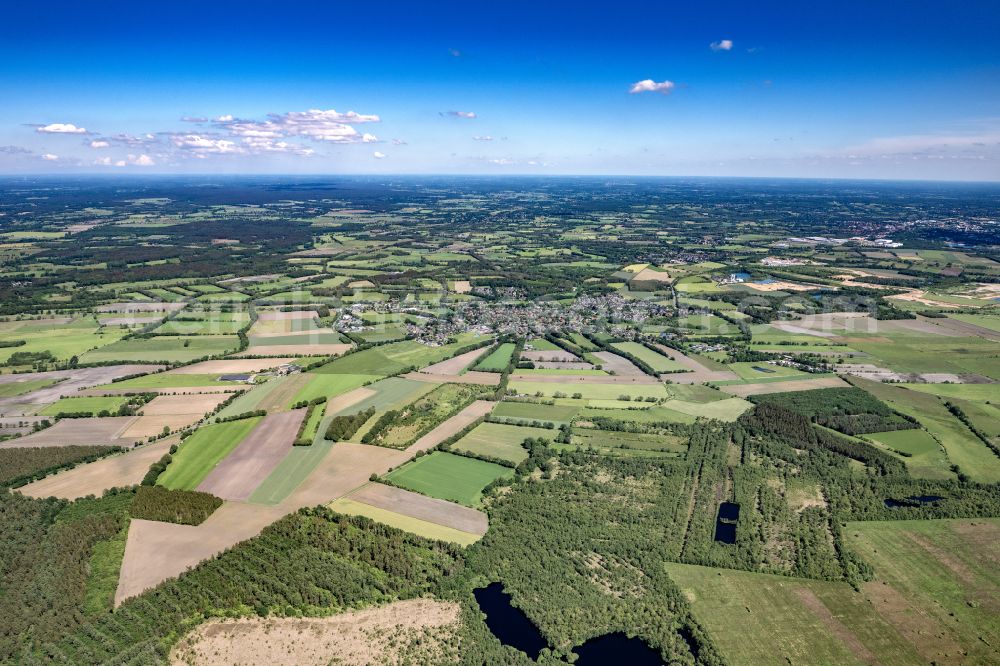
(498, 359)
(423, 414)
(448, 476)
(527, 411)
(201, 452)
(502, 441)
(923, 455)
(290, 472)
(392, 358)
(936, 583)
(328, 386)
(169, 348)
(13, 389)
(590, 391)
(89, 405)
(167, 380)
(760, 619)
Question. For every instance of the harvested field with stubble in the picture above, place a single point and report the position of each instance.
(743, 390)
(421, 507)
(94, 478)
(417, 631)
(235, 365)
(107, 431)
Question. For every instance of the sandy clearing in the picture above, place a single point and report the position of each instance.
(471, 377)
(919, 296)
(94, 478)
(319, 349)
(127, 308)
(649, 275)
(782, 285)
(349, 399)
(356, 638)
(585, 379)
(239, 473)
(554, 355)
(414, 505)
(275, 315)
(477, 409)
(225, 366)
(70, 383)
(107, 431)
(743, 390)
(870, 371)
(461, 286)
(619, 365)
(182, 404)
(455, 364)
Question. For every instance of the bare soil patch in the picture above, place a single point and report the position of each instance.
(94, 478)
(413, 631)
(349, 399)
(619, 365)
(182, 404)
(70, 382)
(455, 364)
(461, 286)
(282, 395)
(414, 505)
(319, 349)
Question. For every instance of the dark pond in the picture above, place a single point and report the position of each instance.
(725, 532)
(508, 623)
(725, 523)
(617, 648)
(729, 511)
(912, 501)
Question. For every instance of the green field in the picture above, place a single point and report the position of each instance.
(329, 386)
(414, 525)
(291, 471)
(926, 460)
(448, 476)
(202, 451)
(92, 405)
(590, 391)
(498, 440)
(963, 447)
(62, 340)
(498, 359)
(758, 619)
(639, 442)
(749, 372)
(11, 389)
(528, 411)
(391, 358)
(389, 393)
(723, 410)
(938, 580)
(169, 348)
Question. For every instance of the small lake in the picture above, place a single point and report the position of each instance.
(725, 523)
(913, 501)
(507, 622)
(617, 648)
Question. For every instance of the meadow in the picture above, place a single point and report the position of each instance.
(497, 440)
(498, 359)
(201, 452)
(165, 348)
(448, 476)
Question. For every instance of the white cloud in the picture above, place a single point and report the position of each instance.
(99, 143)
(200, 145)
(120, 163)
(49, 157)
(60, 128)
(102, 161)
(502, 161)
(314, 124)
(379, 156)
(399, 142)
(482, 138)
(460, 114)
(141, 160)
(649, 85)
(722, 45)
(265, 145)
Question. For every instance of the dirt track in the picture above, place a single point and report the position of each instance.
(239, 474)
(94, 478)
(415, 505)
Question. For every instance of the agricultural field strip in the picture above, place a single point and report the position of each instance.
(69, 383)
(419, 506)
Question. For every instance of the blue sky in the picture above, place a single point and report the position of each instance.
(903, 89)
